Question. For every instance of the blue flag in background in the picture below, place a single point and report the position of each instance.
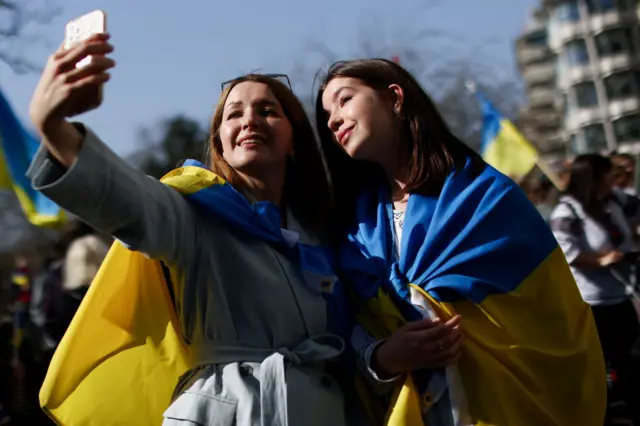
(17, 148)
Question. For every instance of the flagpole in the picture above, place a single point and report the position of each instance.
(553, 176)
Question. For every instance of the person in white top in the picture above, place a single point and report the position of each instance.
(591, 228)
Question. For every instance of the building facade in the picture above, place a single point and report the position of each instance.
(594, 46)
(539, 121)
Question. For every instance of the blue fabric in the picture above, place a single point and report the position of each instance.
(473, 240)
(19, 147)
(491, 122)
(480, 236)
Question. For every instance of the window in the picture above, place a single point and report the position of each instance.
(614, 42)
(627, 128)
(537, 39)
(586, 95)
(575, 146)
(567, 108)
(619, 85)
(596, 6)
(567, 11)
(595, 138)
(626, 4)
(576, 53)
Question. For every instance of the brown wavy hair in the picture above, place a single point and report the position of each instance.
(306, 188)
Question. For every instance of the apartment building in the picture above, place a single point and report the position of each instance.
(592, 51)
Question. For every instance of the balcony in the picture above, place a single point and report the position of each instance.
(632, 148)
(570, 76)
(581, 117)
(529, 54)
(620, 107)
(563, 32)
(541, 97)
(619, 62)
(612, 18)
(552, 144)
(538, 74)
(546, 117)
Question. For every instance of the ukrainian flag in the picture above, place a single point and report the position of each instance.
(123, 353)
(503, 146)
(17, 149)
(479, 249)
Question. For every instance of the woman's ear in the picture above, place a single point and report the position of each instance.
(398, 98)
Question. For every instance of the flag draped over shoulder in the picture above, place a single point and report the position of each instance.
(122, 355)
(503, 146)
(480, 249)
(17, 149)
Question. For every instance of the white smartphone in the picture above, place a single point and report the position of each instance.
(78, 30)
(82, 28)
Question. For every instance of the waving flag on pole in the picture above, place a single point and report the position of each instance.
(503, 146)
(17, 148)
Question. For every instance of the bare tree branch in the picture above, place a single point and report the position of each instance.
(18, 21)
(442, 61)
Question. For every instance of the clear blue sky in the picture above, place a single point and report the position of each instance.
(171, 59)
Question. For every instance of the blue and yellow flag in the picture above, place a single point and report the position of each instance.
(503, 146)
(17, 149)
(123, 353)
(480, 249)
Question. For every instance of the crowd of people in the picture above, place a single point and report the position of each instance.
(40, 290)
(596, 221)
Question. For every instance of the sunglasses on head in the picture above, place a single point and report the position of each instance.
(283, 78)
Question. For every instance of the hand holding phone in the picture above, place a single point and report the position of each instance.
(79, 30)
(71, 84)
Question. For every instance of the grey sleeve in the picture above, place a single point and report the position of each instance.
(364, 345)
(118, 199)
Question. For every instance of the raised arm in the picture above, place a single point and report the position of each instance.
(80, 173)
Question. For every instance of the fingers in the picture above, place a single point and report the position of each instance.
(453, 349)
(100, 38)
(453, 322)
(80, 52)
(423, 324)
(428, 323)
(440, 345)
(67, 59)
(98, 65)
(90, 80)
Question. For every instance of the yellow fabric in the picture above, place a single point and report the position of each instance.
(531, 357)
(5, 178)
(21, 280)
(510, 152)
(35, 218)
(122, 355)
(380, 317)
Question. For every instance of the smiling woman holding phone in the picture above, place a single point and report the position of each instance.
(255, 296)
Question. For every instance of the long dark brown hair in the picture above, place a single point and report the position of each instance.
(306, 188)
(587, 174)
(434, 150)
